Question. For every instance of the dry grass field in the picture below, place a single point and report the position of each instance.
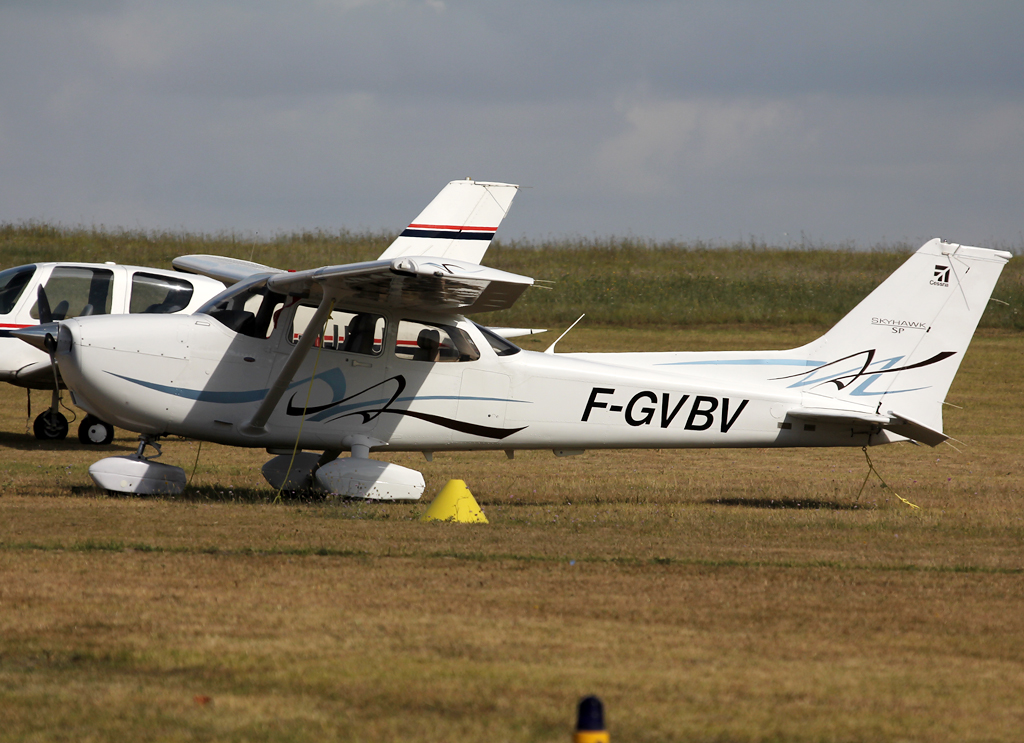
(704, 595)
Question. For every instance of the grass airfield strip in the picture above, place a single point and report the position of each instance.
(705, 594)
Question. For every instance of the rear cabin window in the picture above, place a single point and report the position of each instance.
(159, 294)
(75, 291)
(345, 330)
(12, 285)
(501, 346)
(434, 342)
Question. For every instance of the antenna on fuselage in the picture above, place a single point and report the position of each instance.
(551, 349)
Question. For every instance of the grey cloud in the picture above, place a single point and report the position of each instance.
(712, 119)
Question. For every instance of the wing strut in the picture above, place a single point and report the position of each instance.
(258, 423)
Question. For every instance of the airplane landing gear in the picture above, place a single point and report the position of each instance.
(138, 473)
(95, 432)
(358, 476)
(50, 425)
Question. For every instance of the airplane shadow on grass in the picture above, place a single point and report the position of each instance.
(27, 442)
(214, 494)
(795, 504)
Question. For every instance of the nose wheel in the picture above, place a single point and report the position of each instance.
(95, 432)
(50, 426)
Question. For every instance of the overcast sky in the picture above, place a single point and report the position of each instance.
(844, 121)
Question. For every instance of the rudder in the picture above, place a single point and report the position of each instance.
(899, 349)
(458, 224)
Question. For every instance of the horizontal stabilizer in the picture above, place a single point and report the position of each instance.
(228, 270)
(891, 421)
(458, 224)
(914, 430)
(829, 415)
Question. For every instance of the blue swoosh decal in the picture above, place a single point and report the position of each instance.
(745, 362)
(198, 395)
(333, 377)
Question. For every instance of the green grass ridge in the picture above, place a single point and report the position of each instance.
(615, 281)
(93, 546)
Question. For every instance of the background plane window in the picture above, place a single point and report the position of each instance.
(73, 291)
(419, 341)
(159, 294)
(12, 283)
(348, 331)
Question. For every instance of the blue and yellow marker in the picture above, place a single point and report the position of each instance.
(590, 722)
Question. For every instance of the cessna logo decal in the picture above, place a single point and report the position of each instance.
(646, 407)
(941, 276)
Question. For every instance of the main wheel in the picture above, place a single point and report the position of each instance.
(95, 432)
(49, 426)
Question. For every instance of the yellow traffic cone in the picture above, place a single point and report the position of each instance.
(455, 503)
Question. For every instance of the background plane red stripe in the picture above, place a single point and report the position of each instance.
(451, 227)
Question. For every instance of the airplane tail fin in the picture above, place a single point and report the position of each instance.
(899, 349)
(458, 224)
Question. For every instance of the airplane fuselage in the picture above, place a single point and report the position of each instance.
(195, 377)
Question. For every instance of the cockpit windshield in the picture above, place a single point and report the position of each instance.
(248, 308)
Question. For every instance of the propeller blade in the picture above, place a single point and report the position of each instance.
(45, 314)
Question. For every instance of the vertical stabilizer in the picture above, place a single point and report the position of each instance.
(458, 224)
(899, 349)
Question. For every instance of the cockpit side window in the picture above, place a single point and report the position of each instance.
(349, 331)
(12, 284)
(247, 308)
(434, 342)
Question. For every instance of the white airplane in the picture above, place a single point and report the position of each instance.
(50, 291)
(381, 356)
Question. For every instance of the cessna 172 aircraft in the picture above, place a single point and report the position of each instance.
(381, 356)
(48, 291)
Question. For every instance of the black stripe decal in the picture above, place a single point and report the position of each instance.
(488, 432)
(449, 234)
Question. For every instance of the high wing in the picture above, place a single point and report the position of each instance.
(417, 283)
(413, 283)
(458, 224)
(228, 270)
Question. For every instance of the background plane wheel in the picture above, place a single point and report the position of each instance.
(50, 426)
(94, 431)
